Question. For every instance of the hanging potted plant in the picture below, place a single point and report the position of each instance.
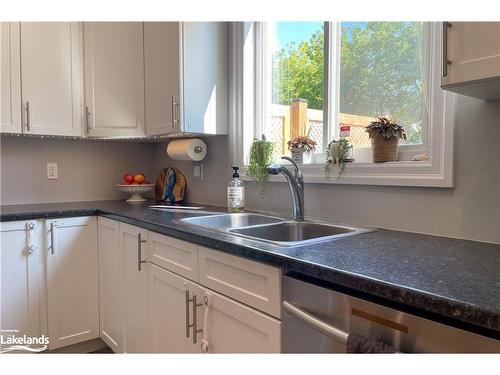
(301, 149)
(261, 156)
(338, 152)
(385, 135)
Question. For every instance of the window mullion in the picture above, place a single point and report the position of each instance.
(332, 77)
(259, 47)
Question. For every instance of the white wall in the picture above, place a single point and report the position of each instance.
(87, 170)
(470, 210)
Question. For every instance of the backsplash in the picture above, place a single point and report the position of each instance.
(88, 170)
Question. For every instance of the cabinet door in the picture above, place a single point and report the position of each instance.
(110, 284)
(135, 288)
(473, 50)
(21, 267)
(72, 274)
(51, 78)
(114, 78)
(204, 74)
(170, 312)
(231, 327)
(162, 76)
(10, 78)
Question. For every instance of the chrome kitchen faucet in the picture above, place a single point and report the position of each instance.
(296, 184)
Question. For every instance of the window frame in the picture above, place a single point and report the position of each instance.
(247, 116)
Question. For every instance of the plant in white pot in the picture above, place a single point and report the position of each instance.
(301, 149)
(338, 152)
(385, 135)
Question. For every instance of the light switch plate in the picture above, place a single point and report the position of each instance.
(52, 171)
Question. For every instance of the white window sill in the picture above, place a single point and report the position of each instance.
(401, 173)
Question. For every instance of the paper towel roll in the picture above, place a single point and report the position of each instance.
(192, 149)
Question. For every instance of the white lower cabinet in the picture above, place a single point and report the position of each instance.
(170, 312)
(72, 280)
(223, 325)
(123, 287)
(110, 284)
(133, 244)
(22, 283)
(231, 327)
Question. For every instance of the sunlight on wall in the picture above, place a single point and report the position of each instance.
(210, 116)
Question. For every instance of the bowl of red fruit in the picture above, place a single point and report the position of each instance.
(136, 185)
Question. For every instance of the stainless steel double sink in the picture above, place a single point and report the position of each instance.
(275, 230)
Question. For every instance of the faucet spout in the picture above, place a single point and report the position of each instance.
(296, 185)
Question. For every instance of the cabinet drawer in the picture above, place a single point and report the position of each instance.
(252, 283)
(175, 255)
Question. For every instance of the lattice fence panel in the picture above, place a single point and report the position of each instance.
(316, 134)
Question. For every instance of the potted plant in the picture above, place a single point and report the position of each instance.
(300, 146)
(385, 135)
(261, 156)
(337, 152)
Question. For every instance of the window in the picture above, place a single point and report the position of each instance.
(314, 78)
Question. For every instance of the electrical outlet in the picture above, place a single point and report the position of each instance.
(52, 171)
(198, 171)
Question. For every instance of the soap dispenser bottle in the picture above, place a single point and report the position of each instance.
(236, 193)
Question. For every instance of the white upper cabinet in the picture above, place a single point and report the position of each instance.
(186, 77)
(72, 280)
(471, 58)
(162, 76)
(204, 77)
(114, 78)
(51, 78)
(10, 78)
(22, 282)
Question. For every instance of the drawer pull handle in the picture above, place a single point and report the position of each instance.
(316, 323)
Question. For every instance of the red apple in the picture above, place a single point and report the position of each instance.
(128, 178)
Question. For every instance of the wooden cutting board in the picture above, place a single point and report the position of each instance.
(179, 187)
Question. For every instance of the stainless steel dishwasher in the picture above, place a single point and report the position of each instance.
(319, 320)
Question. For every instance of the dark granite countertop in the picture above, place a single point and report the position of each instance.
(450, 280)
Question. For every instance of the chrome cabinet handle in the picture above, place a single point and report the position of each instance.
(31, 248)
(173, 108)
(188, 326)
(316, 323)
(140, 241)
(52, 250)
(28, 116)
(195, 323)
(87, 117)
(446, 61)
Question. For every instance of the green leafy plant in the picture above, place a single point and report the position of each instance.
(386, 128)
(261, 156)
(342, 157)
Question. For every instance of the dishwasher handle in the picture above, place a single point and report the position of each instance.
(316, 323)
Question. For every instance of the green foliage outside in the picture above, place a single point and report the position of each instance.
(380, 72)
